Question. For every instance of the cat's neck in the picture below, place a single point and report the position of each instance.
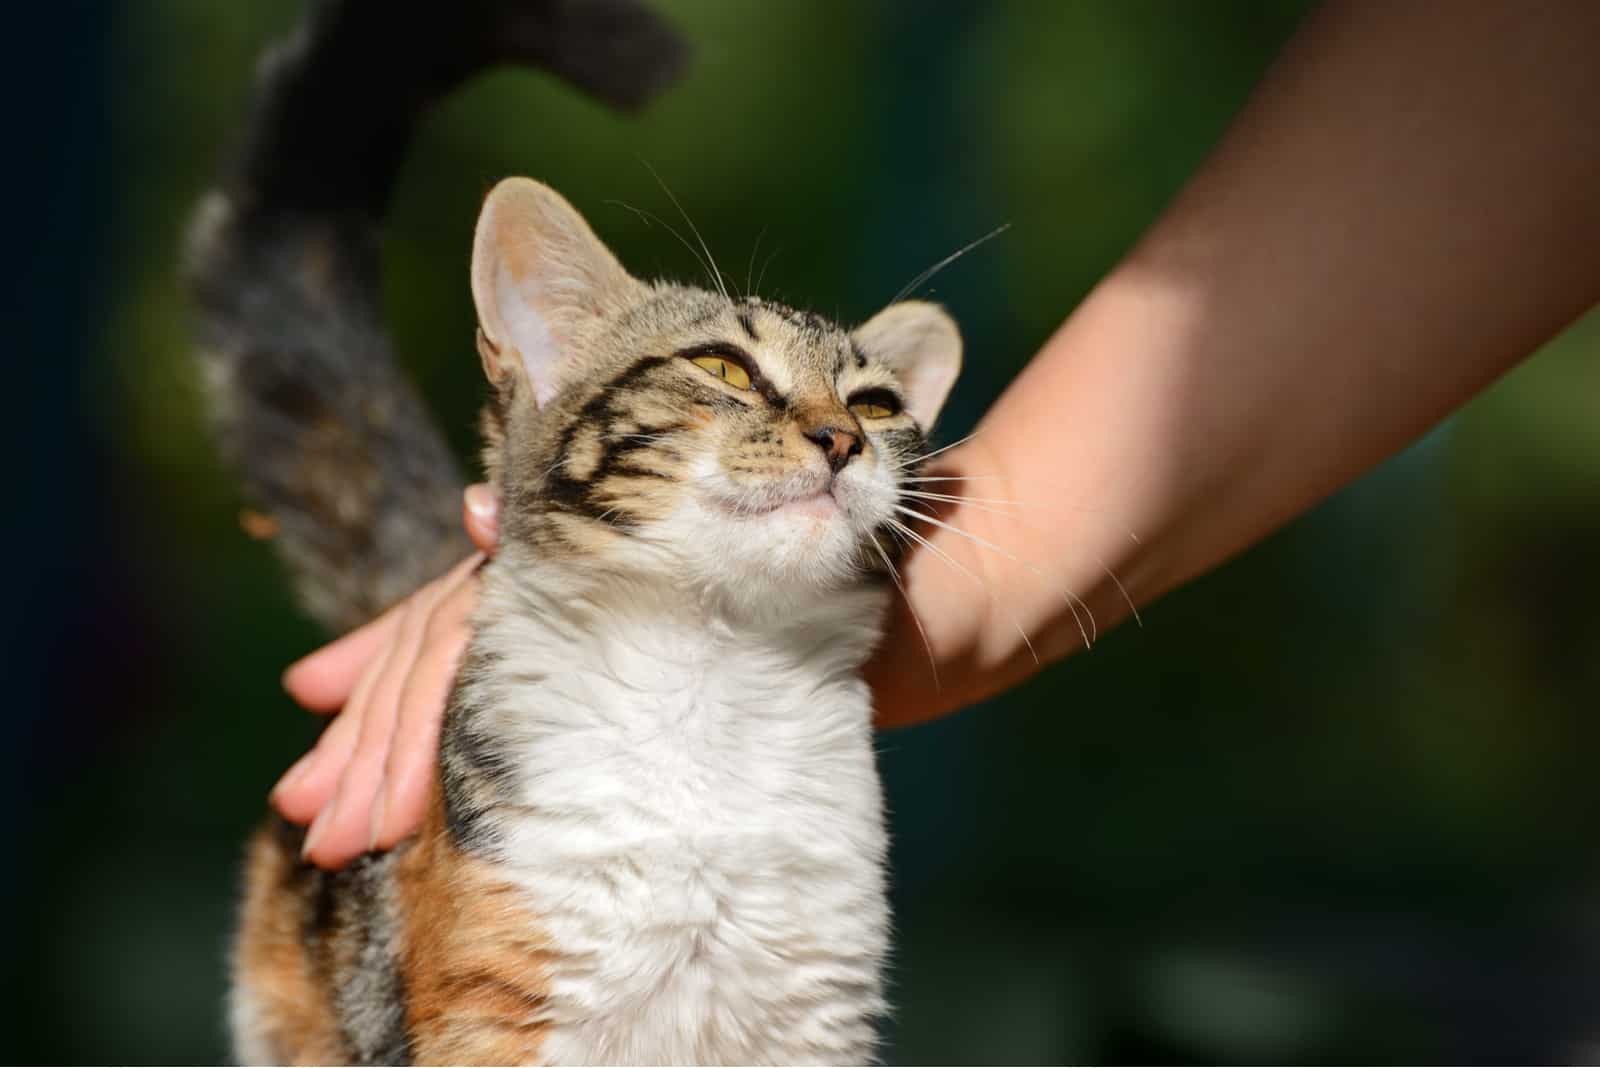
(583, 690)
(662, 621)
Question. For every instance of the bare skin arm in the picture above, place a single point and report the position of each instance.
(1408, 206)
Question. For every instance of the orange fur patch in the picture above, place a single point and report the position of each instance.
(474, 961)
(290, 1009)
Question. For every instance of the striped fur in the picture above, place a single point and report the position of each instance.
(282, 267)
(656, 835)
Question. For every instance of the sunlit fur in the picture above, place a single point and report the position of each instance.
(656, 830)
(657, 835)
(647, 464)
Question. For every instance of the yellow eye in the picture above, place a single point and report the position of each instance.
(869, 410)
(727, 370)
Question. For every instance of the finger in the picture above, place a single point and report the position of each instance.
(323, 681)
(344, 832)
(309, 786)
(414, 751)
(317, 789)
(481, 513)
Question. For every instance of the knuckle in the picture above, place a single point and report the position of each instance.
(448, 616)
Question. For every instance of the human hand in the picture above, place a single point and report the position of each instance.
(365, 783)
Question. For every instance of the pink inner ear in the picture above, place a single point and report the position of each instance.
(527, 331)
(919, 342)
(926, 387)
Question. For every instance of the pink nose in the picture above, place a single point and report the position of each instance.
(836, 443)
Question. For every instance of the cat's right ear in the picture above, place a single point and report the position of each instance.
(538, 276)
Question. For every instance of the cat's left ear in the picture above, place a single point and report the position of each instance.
(919, 342)
(539, 276)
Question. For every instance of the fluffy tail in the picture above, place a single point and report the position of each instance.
(331, 439)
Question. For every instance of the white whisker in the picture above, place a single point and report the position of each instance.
(911, 286)
(955, 498)
(750, 268)
(895, 524)
(983, 505)
(925, 457)
(649, 216)
(765, 263)
(1085, 509)
(715, 273)
(1067, 595)
(895, 577)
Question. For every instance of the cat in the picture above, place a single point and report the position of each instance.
(657, 831)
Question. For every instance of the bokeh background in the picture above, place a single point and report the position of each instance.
(1335, 801)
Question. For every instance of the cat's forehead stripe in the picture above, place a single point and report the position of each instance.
(747, 323)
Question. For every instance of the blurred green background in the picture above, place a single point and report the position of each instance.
(1334, 801)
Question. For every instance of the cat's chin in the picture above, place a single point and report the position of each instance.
(786, 553)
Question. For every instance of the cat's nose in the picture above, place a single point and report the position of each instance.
(836, 443)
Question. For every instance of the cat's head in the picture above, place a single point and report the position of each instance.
(726, 443)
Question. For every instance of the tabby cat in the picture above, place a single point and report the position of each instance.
(657, 834)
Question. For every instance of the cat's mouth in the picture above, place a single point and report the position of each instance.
(820, 505)
(809, 497)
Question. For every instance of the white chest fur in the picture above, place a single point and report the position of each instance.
(697, 819)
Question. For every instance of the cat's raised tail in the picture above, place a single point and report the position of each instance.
(282, 265)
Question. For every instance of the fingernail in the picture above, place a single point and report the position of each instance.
(480, 501)
(317, 825)
(286, 679)
(292, 777)
(377, 821)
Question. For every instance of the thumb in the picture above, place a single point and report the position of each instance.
(481, 513)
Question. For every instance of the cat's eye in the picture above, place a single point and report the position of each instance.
(725, 369)
(875, 404)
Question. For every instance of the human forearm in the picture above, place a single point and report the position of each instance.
(1406, 208)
